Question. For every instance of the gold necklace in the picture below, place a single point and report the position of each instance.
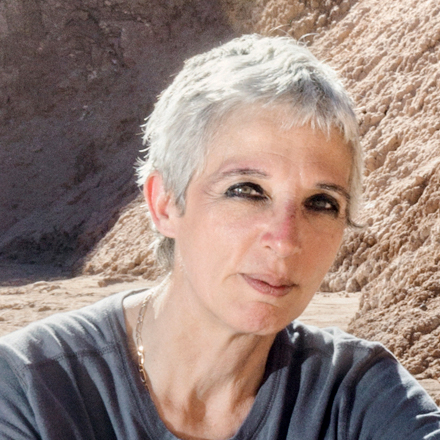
(151, 293)
(139, 343)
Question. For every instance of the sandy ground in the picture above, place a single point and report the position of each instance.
(26, 297)
(32, 292)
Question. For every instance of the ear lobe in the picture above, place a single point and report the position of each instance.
(161, 204)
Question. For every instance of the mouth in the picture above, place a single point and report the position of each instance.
(269, 285)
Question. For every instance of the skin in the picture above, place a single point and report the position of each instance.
(262, 224)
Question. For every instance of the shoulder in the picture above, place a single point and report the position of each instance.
(342, 363)
(329, 363)
(95, 328)
(358, 382)
(57, 374)
(333, 346)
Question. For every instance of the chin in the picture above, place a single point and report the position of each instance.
(262, 320)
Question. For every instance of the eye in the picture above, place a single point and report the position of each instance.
(246, 190)
(323, 203)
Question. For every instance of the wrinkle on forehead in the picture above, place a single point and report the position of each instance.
(256, 130)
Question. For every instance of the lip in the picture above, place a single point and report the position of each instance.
(269, 285)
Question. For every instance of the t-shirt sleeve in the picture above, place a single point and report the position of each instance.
(17, 421)
(389, 404)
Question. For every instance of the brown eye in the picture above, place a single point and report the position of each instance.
(246, 190)
(323, 203)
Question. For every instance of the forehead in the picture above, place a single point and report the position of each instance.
(256, 135)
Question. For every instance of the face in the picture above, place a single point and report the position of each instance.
(263, 222)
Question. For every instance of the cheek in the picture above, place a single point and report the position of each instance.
(213, 238)
(322, 250)
(228, 221)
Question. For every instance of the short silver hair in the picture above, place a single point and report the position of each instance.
(245, 71)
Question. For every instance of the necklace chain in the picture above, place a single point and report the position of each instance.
(139, 343)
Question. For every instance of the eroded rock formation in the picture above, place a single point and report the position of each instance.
(77, 79)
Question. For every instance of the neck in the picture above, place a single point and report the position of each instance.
(197, 367)
(187, 351)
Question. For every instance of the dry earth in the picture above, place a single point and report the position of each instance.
(21, 304)
(76, 80)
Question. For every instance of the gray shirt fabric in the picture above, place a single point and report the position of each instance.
(71, 376)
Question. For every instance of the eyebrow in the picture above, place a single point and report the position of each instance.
(241, 172)
(336, 188)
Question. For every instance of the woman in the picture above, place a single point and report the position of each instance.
(253, 173)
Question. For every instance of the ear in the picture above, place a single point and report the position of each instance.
(161, 204)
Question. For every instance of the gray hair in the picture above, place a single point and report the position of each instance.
(248, 70)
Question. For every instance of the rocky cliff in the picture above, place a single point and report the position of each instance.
(77, 79)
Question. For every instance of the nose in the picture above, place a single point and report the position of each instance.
(283, 232)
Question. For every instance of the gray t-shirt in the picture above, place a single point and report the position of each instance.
(71, 376)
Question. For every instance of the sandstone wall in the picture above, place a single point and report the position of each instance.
(77, 78)
(389, 52)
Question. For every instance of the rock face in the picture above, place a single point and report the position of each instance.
(77, 79)
(389, 53)
(125, 248)
(301, 19)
